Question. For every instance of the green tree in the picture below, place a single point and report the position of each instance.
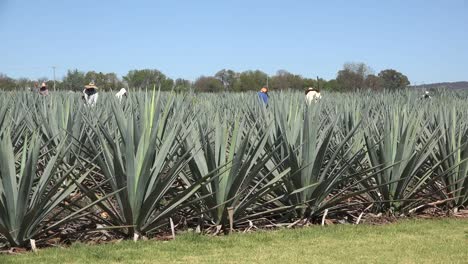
(7, 83)
(208, 84)
(114, 81)
(286, 80)
(309, 82)
(352, 77)
(228, 78)
(74, 80)
(167, 84)
(24, 84)
(105, 81)
(322, 84)
(393, 80)
(330, 85)
(147, 78)
(250, 80)
(373, 82)
(182, 85)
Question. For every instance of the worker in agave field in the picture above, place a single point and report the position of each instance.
(44, 90)
(426, 95)
(312, 95)
(90, 93)
(121, 93)
(263, 95)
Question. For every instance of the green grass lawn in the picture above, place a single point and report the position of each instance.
(410, 241)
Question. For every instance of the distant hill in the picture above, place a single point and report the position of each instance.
(443, 85)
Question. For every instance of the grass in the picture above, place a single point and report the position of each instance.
(410, 241)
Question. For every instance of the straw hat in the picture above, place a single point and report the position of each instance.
(43, 84)
(311, 89)
(91, 85)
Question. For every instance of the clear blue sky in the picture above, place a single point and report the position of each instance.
(427, 40)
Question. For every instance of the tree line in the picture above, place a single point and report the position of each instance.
(352, 77)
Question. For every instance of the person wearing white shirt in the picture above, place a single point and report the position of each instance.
(90, 94)
(426, 95)
(121, 93)
(312, 95)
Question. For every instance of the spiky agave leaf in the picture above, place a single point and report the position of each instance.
(27, 199)
(141, 153)
(453, 155)
(402, 144)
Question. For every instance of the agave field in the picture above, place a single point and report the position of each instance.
(218, 163)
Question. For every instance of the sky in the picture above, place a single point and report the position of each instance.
(426, 40)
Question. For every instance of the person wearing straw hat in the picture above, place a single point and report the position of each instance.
(44, 90)
(312, 95)
(263, 95)
(121, 93)
(90, 93)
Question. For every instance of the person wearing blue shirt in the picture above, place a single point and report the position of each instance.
(263, 95)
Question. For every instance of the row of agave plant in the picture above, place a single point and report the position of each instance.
(217, 162)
